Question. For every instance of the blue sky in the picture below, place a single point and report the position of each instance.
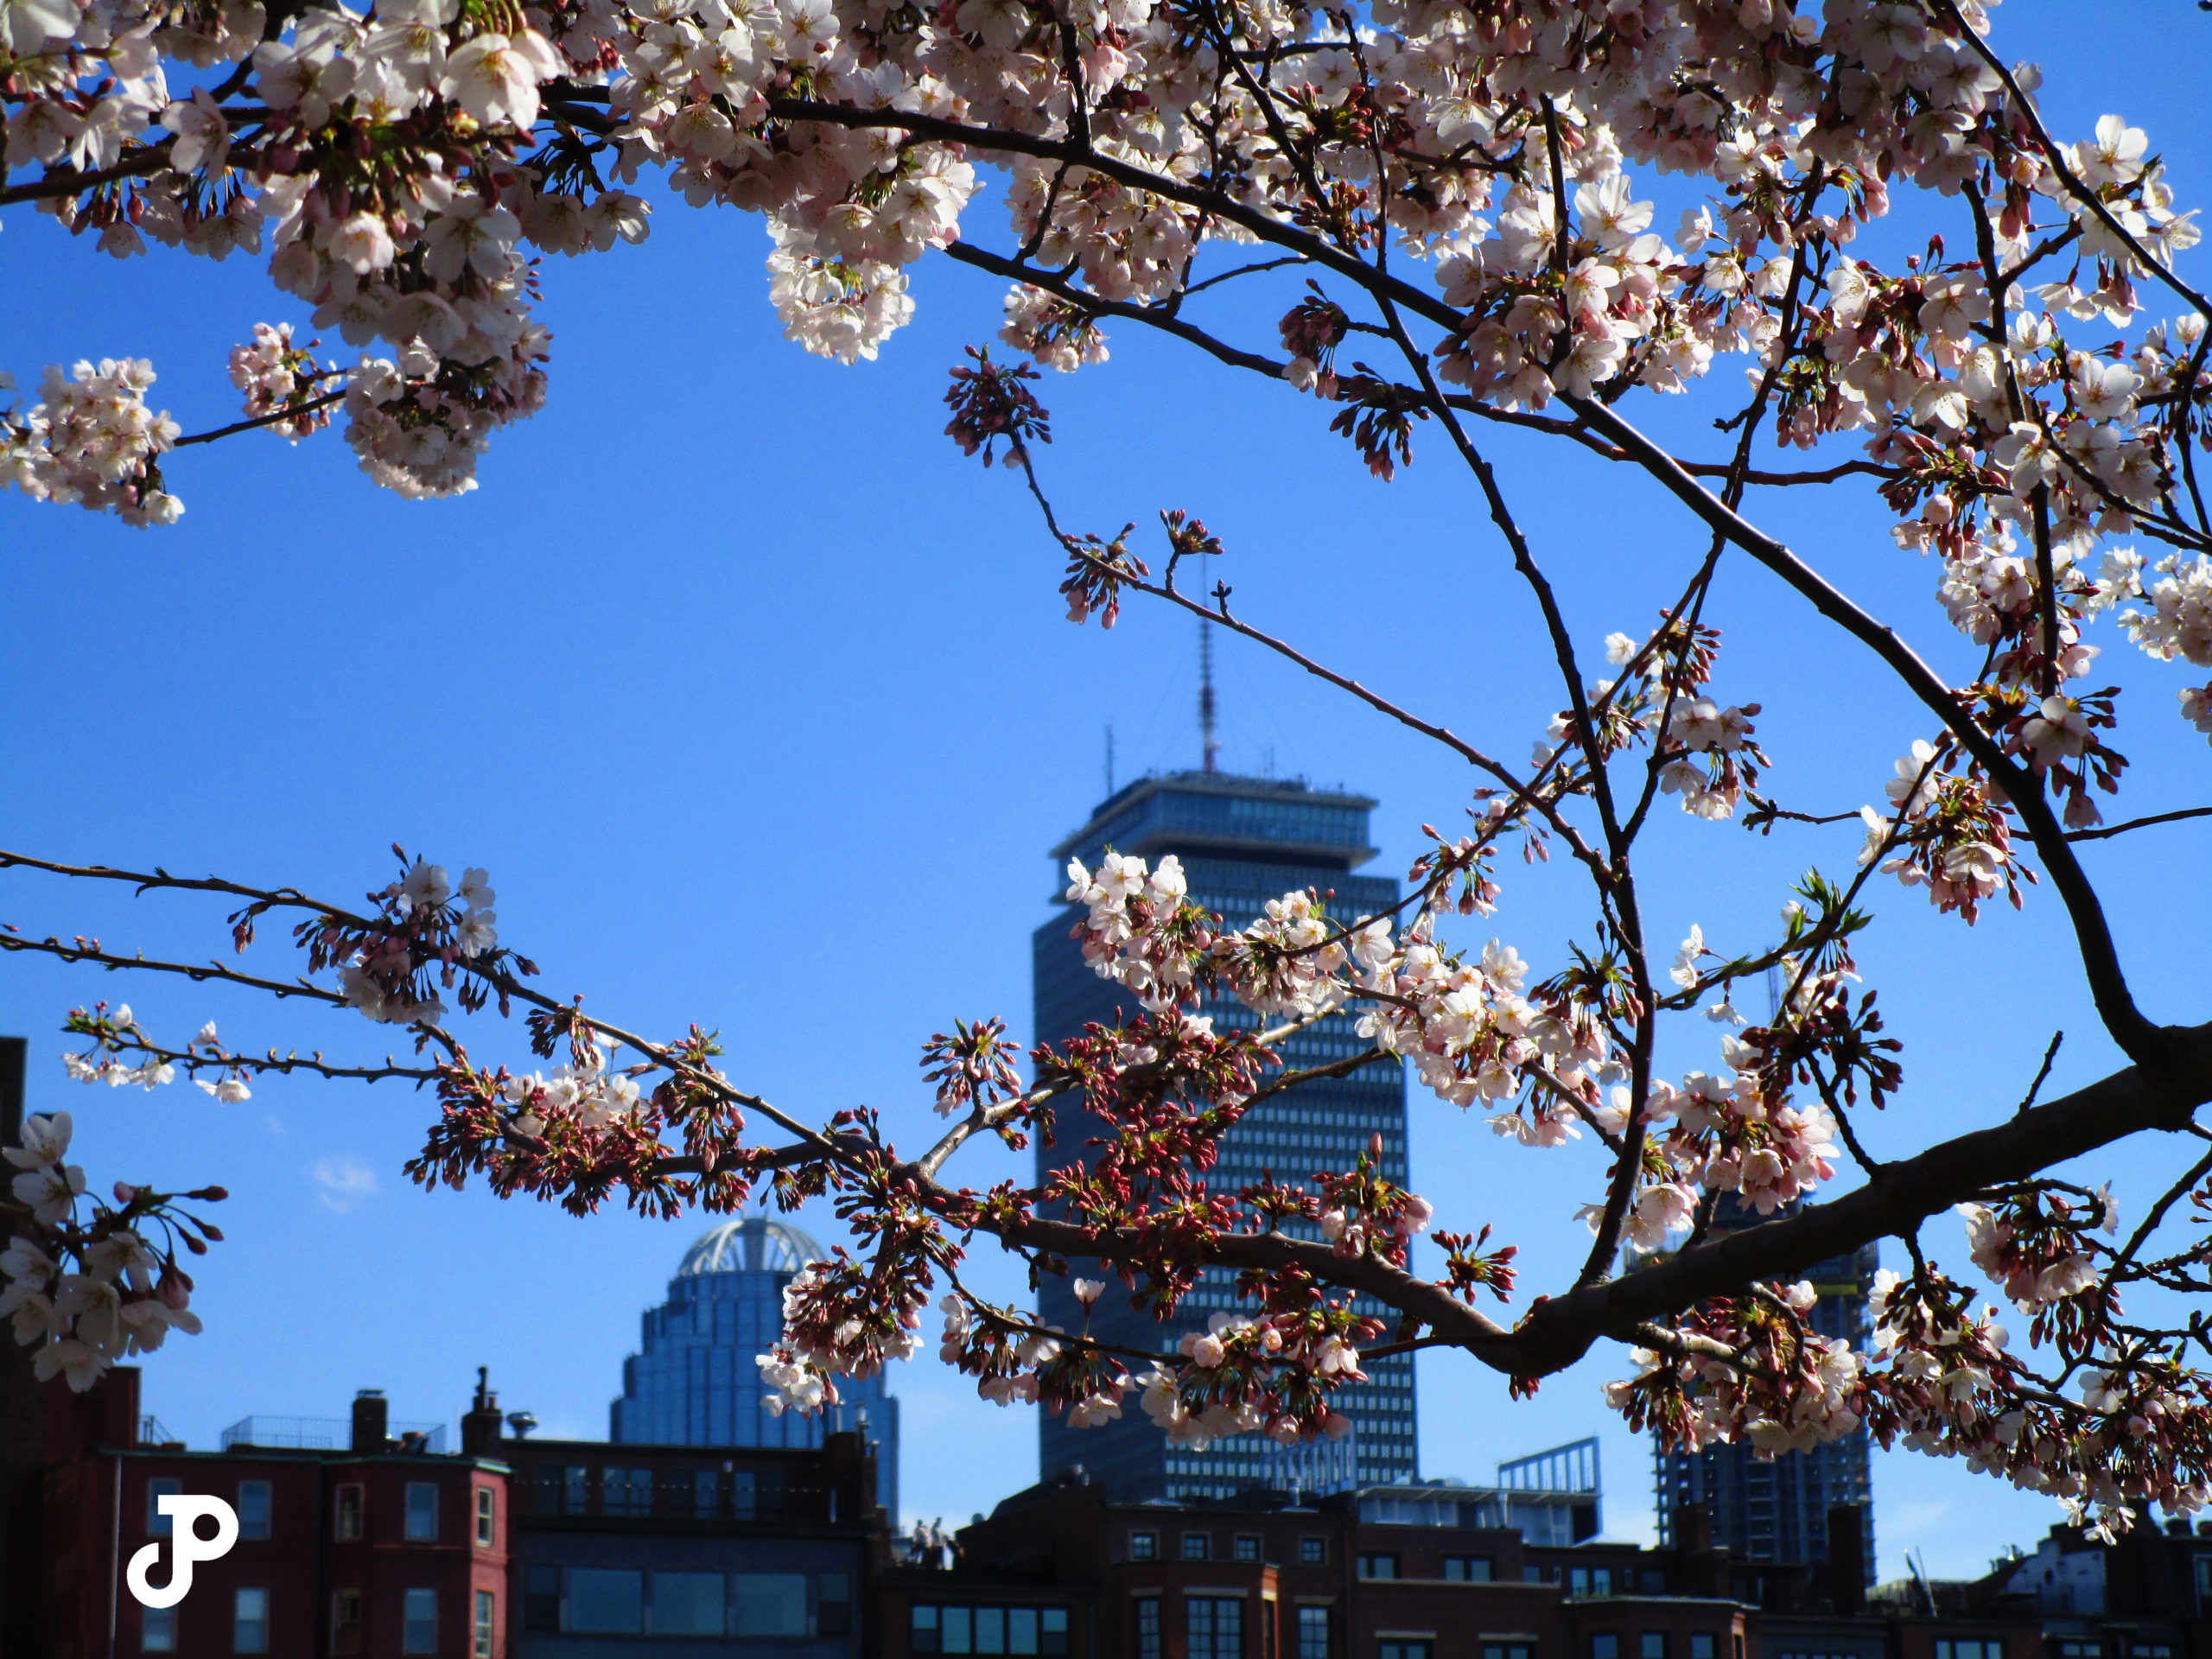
(757, 703)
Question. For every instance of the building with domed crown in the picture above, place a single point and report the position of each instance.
(695, 1380)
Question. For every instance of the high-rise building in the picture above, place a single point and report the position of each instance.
(1777, 1509)
(696, 1382)
(1241, 841)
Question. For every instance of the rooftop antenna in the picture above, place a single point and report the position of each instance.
(1109, 763)
(1205, 693)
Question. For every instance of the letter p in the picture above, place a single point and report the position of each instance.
(186, 1546)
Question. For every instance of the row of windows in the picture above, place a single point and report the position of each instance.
(1653, 1644)
(1950, 1649)
(249, 1610)
(1213, 1627)
(989, 1629)
(690, 1494)
(255, 1505)
(630, 1601)
(1198, 1545)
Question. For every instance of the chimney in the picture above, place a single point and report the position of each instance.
(1693, 1527)
(370, 1415)
(480, 1424)
(1847, 1564)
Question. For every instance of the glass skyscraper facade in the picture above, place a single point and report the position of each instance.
(695, 1380)
(1777, 1510)
(1241, 841)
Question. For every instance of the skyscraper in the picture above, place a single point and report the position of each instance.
(1242, 841)
(694, 1381)
(1777, 1510)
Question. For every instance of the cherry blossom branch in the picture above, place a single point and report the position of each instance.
(275, 417)
(1908, 1192)
(2134, 1032)
(2106, 830)
(2055, 158)
(61, 185)
(1525, 795)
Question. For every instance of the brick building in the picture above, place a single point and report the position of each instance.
(1259, 1577)
(388, 1548)
(624, 1550)
(379, 1547)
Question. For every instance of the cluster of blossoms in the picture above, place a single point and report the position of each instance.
(386, 969)
(1802, 1390)
(831, 1331)
(84, 1293)
(1946, 832)
(278, 379)
(1053, 333)
(2178, 621)
(92, 440)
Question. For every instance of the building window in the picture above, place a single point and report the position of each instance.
(486, 1622)
(253, 1509)
(1312, 1633)
(1467, 1569)
(1148, 1627)
(625, 1491)
(422, 1512)
(606, 1601)
(1508, 1650)
(1404, 1649)
(2204, 1575)
(541, 1598)
(833, 1604)
(347, 1522)
(1194, 1546)
(249, 1621)
(1144, 1546)
(1590, 1581)
(1654, 1582)
(157, 1630)
(1247, 1548)
(706, 1494)
(956, 1630)
(1651, 1644)
(1214, 1625)
(1313, 1551)
(1605, 1645)
(2149, 1650)
(1378, 1566)
(1946, 1649)
(1704, 1645)
(772, 1604)
(575, 1490)
(688, 1603)
(344, 1621)
(487, 1510)
(160, 1486)
(419, 1622)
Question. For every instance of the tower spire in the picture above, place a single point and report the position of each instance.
(1205, 693)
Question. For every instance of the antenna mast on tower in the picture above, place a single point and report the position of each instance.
(1205, 693)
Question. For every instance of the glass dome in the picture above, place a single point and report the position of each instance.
(753, 1244)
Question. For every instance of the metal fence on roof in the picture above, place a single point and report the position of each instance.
(318, 1433)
